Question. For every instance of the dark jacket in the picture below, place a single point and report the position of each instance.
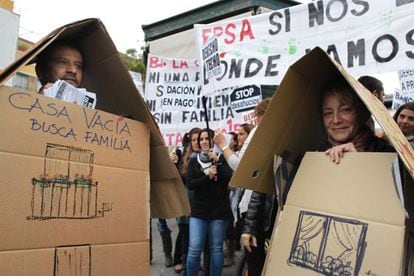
(211, 197)
(261, 214)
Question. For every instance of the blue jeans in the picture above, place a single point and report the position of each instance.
(216, 230)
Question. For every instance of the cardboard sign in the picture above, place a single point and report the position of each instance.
(105, 74)
(324, 195)
(76, 185)
(298, 127)
(328, 225)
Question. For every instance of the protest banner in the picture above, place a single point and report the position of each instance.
(211, 59)
(363, 36)
(406, 92)
(407, 80)
(173, 95)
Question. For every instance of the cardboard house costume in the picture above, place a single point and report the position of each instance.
(345, 219)
(78, 185)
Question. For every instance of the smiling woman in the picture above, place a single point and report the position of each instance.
(345, 120)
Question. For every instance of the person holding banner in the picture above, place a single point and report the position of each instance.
(208, 176)
(404, 116)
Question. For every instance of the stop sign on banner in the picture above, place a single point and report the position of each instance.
(245, 98)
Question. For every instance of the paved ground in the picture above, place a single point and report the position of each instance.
(157, 266)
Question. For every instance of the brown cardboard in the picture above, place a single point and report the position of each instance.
(116, 93)
(114, 259)
(121, 142)
(298, 127)
(75, 186)
(46, 199)
(340, 214)
(358, 195)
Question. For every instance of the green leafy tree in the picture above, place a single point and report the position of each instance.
(133, 61)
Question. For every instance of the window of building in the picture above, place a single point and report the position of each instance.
(21, 81)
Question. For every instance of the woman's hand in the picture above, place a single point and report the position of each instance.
(213, 155)
(248, 240)
(219, 138)
(336, 153)
(174, 157)
(212, 172)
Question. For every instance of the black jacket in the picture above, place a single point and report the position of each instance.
(261, 214)
(211, 198)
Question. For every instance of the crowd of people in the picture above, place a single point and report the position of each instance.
(222, 215)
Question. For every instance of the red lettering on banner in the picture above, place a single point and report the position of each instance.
(232, 126)
(231, 32)
(249, 117)
(246, 30)
(173, 139)
(169, 138)
(178, 64)
(155, 62)
(218, 31)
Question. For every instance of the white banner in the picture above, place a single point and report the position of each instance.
(211, 59)
(406, 80)
(406, 92)
(400, 97)
(172, 93)
(365, 36)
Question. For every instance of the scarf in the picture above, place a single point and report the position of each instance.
(362, 140)
(203, 164)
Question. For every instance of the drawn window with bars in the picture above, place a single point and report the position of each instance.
(66, 188)
(328, 245)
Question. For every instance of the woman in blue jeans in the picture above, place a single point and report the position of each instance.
(208, 176)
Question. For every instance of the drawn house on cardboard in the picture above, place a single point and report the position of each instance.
(66, 189)
(342, 219)
(74, 201)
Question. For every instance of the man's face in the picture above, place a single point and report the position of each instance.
(66, 64)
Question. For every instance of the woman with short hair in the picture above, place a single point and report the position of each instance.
(345, 119)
